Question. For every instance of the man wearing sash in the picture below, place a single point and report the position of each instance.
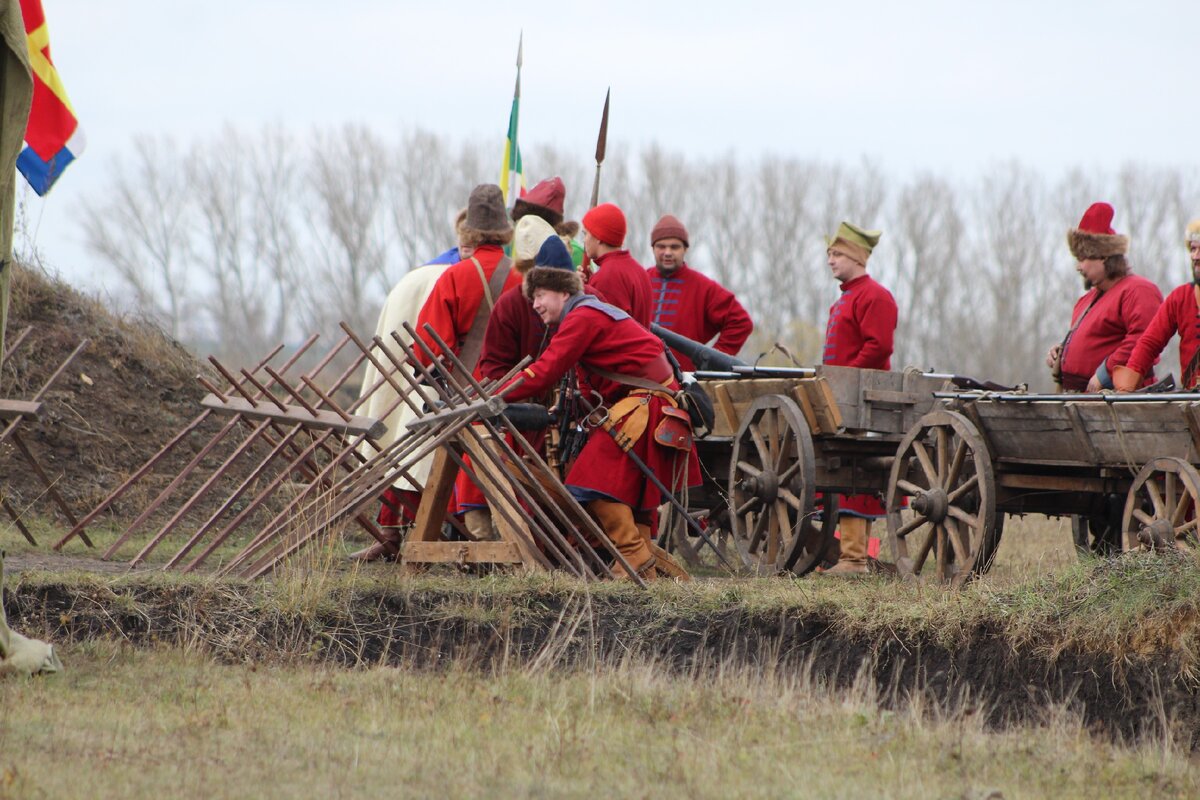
(1111, 315)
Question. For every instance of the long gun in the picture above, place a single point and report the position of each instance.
(705, 358)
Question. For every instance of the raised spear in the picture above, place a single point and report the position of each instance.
(601, 146)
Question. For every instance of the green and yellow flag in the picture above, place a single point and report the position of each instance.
(512, 171)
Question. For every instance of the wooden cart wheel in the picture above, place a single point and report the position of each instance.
(1160, 509)
(772, 494)
(944, 471)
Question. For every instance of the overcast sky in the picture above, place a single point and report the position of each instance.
(949, 87)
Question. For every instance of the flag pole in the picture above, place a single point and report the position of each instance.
(512, 150)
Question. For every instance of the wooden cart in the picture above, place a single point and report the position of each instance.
(1124, 464)
(786, 443)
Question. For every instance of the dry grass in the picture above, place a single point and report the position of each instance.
(128, 723)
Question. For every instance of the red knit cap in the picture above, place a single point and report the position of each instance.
(607, 223)
(669, 227)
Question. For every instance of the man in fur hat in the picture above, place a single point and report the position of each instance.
(619, 277)
(398, 506)
(460, 291)
(860, 333)
(546, 200)
(503, 339)
(465, 294)
(689, 303)
(1111, 315)
(1179, 313)
(609, 348)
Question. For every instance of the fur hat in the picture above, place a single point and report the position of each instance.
(553, 270)
(858, 243)
(531, 232)
(1095, 237)
(487, 222)
(607, 223)
(669, 227)
(545, 200)
(1192, 234)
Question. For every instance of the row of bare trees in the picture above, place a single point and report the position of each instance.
(244, 240)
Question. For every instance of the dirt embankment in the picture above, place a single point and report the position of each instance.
(121, 399)
(1009, 682)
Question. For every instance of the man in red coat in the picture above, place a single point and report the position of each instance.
(454, 303)
(691, 304)
(1111, 315)
(860, 333)
(1180, 313)
(606, 344)
(454, 309)
(619, 277)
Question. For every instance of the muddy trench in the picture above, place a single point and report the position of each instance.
(1138, 696)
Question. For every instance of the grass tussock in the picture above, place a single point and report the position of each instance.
(131, 721)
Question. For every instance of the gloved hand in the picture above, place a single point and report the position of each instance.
(1125, 379)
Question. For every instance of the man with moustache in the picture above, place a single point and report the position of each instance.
(1179, 313)
(1109, 318)
(689, 303)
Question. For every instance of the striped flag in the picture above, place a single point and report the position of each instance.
(512, 171)
(53, 137)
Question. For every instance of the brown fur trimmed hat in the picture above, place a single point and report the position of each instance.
(553, 270)
(1095, 237)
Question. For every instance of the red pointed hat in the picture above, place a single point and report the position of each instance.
(1095, 237)
(549, 193)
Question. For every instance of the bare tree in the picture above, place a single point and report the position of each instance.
(140, 229)
(346, 274)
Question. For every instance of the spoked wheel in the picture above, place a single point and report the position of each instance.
(774, 520)
(944, 471)
(1160, 509)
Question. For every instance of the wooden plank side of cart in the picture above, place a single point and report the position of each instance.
(1087, 433)
(1132, 434)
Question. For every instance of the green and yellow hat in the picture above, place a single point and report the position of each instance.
(854, 241)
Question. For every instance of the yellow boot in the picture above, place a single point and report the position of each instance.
(616, 520)
(853, 558)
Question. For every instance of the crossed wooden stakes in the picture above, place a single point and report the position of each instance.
(307, 440)
(12, 414)
(343, 469)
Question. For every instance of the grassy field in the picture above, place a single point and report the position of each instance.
(202, 714)
(135, 723)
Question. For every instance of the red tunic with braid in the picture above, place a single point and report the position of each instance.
(593, 335)
(861, 333)
(623, 282)
(694, 305)
(1178, 314)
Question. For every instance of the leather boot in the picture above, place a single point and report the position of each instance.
(853, 558)
(479, 525)
(616, 520)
